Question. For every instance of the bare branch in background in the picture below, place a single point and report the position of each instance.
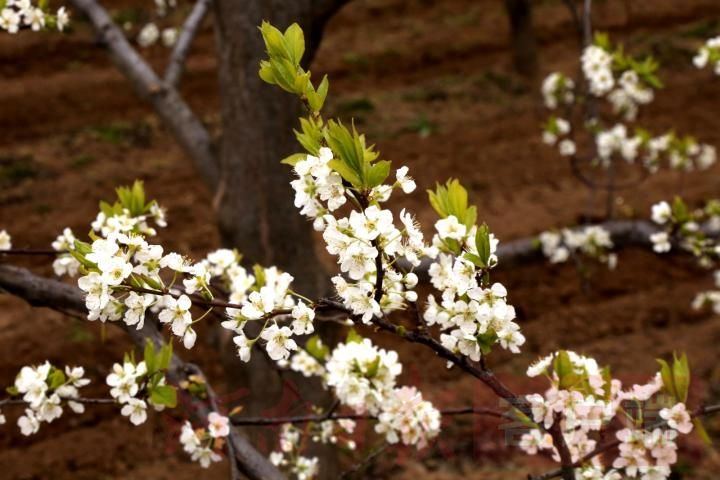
(167, 102)
(178, 57)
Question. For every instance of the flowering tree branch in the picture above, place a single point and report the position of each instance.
(481, 372)
(167, 102)
(607, 446)
(178, 57)
(43, 292)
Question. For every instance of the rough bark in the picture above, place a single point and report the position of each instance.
(523, 36)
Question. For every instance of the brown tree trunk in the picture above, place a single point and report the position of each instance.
(523, 36)
(256, 212)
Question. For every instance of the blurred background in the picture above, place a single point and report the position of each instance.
(437, 86)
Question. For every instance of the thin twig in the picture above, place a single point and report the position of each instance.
(317, 418)
(366, 461)
(86, 401)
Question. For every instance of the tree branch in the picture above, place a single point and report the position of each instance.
(44, 292)
(176, 65)
(300, 419)
(167, 102)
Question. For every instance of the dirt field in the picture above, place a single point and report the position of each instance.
(431, 83)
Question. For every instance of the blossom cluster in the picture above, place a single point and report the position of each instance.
(44, 388)
(600, 65)
(117, 264)
(626, 83)
(128, 384)
(263, 297)
(289, 457)
(363, 240)
(159, 28)
(203, 444)
(709, 54)
(363, 377)
(593, 241)
(558, 89)
(125, 278)
(689, 229)
(472, 314)
(585, 399)
(680, 153)
(111, 221)
(557, 131)
(19, 14)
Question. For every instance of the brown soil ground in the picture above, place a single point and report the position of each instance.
(72, 130)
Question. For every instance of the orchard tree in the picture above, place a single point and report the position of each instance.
(586, 420)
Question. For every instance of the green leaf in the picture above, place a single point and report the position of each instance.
(373, 368)
(293, 159)
(322, 92)
(149, 281)
(607, 387)
(681, 377)
(285, 74)
(295, 42)
(667, 377)
(106, 208)
(348, 147)
(482, 243)
(377, 173)
(12, 390)
(310, 136)
(274, 41)
(259, 272)
(164, 395)
(83, 261)
(702, 433)
(680, 210)
(524, 418)
(565, 370)
(452, 199)
(353, 337)
(164, 357)
(149, 357)
(316, 99)
(477, 261)
(486, 341)
(82, 247)
(137, 204)
(266, 72)
(345, 172)
(316, 349)
(602, 40)
(55, 378)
